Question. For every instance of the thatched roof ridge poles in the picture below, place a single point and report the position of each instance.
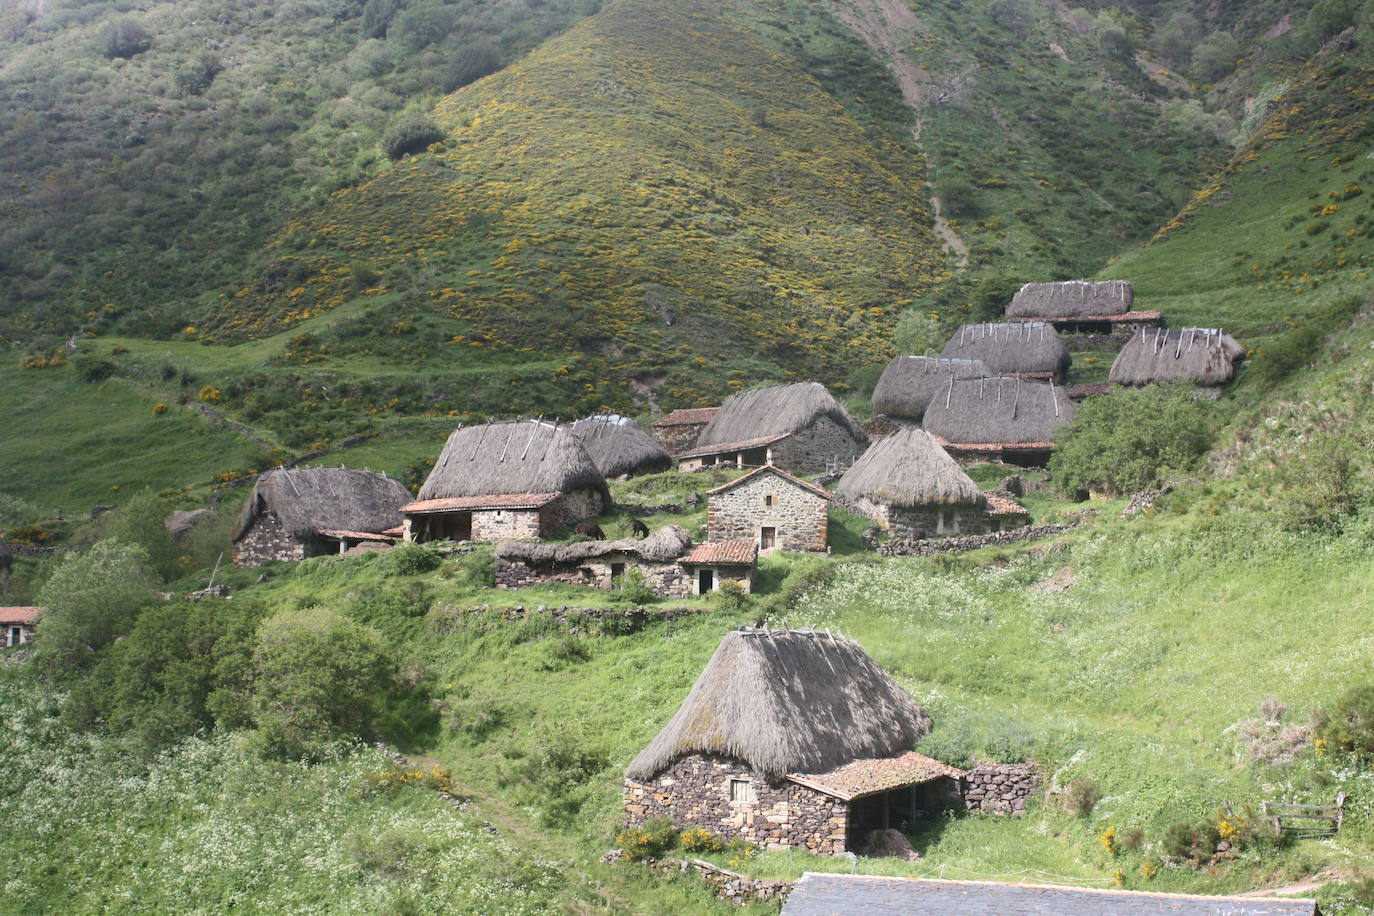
(1054, 397)
(480, 439)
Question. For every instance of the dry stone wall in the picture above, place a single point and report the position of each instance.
(1001, 788)
(695, 792)
(267, 540)
(667, 580)
(800, 517)
(815, 448)
(503, 524)
(907, 547)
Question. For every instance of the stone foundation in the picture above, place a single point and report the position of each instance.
(817, 448)
(1001, 788)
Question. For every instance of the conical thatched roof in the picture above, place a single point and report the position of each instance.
(1011, 348)
(777, 411)
(310, 500)
(617, 445)
(909, 382)
(663, 546)
(999, 411)
(1072, 299)
(909, 468)
(518, 456)
(788, 701)
(1206, 355)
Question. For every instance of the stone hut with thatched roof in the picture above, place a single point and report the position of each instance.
(1082, 307)
(908, 384)
(910, 486)
(791, 739)
(768, 507)
(800, 428)
(305, 512)
(678, 431)
(17, 625)
(619, 447)
(670, 565)
(1207, 356)
(1028, 350)
(1015, 420)
(518, 479)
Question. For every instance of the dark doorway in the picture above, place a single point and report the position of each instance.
(706, 581)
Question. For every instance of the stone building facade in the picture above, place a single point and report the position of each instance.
(700, 571)
(920, 522)
(267, 540)
(771, 508)
(677, 431)
(728, 798)
(509, 516)
(821, 446)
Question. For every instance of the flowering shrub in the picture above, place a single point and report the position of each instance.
(699, 839)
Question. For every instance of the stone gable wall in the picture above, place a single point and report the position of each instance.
(811, 450)
(266, 540)
(694, 791)
(677, 439)
(800, 516)
(569, 509)
(1001, 788)
(500, 524)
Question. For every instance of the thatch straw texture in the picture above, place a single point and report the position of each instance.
(1011, 348)
(617, 445)
(1001, 411)
(788, 701)
(519, 456)
(663, 546)
(909, 468)
(1206, 355)
(909, 382)
(308, 500)
(1072, 299)
(777, 411)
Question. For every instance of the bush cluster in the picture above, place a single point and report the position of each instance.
(411, 134)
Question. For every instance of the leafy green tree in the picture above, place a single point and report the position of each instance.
(1215, 56)
(1320, 488)
(917, 334)
(470, 63)
(195, 75)
(1326, 20)
(143, 521)
(123, 38)
(1129, 440)
(1176, 38)
(1111, 36)
(319, 677)
(411, 134)
(89, 600)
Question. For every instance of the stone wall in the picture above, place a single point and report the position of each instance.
(1001, 788)
(571, 508)
(695, 792)
(916, 523)
(500, 524)
(666, 580)
(727, 885)
(906, 547)
(800, 516)
(574, 619)
(267, 539)
(813, 449)
(678, 438)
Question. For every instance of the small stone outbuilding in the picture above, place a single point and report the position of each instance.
(770, 508)
(800, 428)
(306, 512)
(17, 625)
(678, 431)
(522, 479)
(791, 739)
(711, 564)
(911, 487)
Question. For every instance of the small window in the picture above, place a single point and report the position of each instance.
(768, 500)
(741, 790)
(617, 570)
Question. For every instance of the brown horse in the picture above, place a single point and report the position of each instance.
(590, 530)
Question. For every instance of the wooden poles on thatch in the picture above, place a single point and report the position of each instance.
(910, 469)
(779, 410)
(999, 411)
(1072, 299)
(1205, 355)
(908, 384)
(518, 456)
(308, 500)
(617, 445)
(1030, 348)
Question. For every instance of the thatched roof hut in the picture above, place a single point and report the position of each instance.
(662, 546)
(909, 382)
(617, 445)
(1029, 348)
(780, 410)
(1072, 299)
(788, 701)
(309, 501)
(1000, 411)
(518, 456)
(1205, 355)
(910, 469)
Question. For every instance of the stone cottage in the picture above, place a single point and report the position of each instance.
(677, 431)
(791, 739)
(17, 625)
(521, 479)
(770, 508)
(306, 512)
(911, 487)
(800, 428)
(1082, 307)
(671, 566)
(1015, 420)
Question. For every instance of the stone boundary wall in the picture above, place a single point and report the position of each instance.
(666, 580)
(570, 616)
(1001, 788)
(638, 509)
(727, 885)
(901, 547)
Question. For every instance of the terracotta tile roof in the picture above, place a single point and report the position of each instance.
(873, 775)
(394, 532)
(344, 533)
(731, 446)
(768, 468)
(1122, 316)
(1001, 505)
(879, 895)
(479, 503)
(13, 615)
(722, 553)
(690, 416)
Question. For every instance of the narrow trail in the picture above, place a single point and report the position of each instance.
(886, 26)
(1292, 890)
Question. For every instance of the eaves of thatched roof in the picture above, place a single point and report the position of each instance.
(701, 451)
(519, 456)
(788, 701)
(480, 503)
(308, 500)
(777, 411)
(909, 469)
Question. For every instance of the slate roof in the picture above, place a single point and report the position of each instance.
(21, 615)
(722, 553)
(875, 774)
(772, 469)
(478, 503)
(999, 506)
(873, 895)
(689, 416)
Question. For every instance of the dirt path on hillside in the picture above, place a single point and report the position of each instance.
(1292, 890)
(887, 26)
